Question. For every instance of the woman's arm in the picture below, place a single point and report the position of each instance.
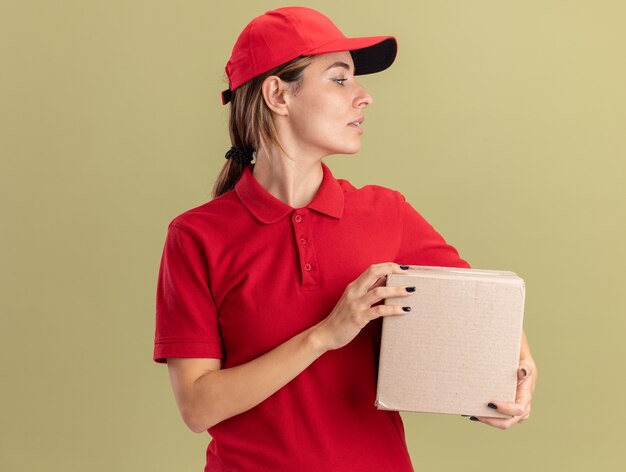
(207, 395)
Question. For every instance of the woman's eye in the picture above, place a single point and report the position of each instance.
(340, 81)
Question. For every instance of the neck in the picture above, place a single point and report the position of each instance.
(292, 181)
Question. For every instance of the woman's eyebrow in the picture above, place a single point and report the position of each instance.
(339, 64)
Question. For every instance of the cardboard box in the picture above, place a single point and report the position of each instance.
(458, 348)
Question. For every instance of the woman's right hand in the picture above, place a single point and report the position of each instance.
(354, 309)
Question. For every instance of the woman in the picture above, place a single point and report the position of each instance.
(270, 296)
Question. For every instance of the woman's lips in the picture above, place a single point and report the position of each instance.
(356, 124)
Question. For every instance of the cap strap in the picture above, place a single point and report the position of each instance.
(227, 95)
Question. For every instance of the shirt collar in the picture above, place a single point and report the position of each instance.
(268, 209)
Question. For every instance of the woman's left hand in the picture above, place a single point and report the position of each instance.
(520, 410)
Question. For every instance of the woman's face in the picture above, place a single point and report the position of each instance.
(325, 113)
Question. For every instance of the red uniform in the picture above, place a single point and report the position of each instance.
(245, 272)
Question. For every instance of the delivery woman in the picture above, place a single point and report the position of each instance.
(269, 300)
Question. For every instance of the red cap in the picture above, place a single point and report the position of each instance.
(281, 35)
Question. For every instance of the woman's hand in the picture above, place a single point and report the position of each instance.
(354, 309)
(520, 410)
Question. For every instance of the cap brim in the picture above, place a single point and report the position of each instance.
(375, 58)
(372, 54)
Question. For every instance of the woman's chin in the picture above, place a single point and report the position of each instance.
(352, 149)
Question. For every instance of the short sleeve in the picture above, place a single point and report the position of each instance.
(186, 316)
(421, 244)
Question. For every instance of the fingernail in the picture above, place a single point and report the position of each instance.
(524, 373)
(404, 267)
(473, 418)
(410, 289)
(406, 308)
(491, 405)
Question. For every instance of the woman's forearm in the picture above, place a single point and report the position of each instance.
(221, 394)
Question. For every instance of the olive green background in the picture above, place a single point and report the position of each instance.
(502, 122)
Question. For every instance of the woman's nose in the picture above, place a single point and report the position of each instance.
(362, 99)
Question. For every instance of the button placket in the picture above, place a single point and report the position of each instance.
(308, 265)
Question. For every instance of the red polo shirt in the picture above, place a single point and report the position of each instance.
(245, 272)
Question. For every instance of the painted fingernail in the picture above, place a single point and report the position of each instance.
(473, 418)
(410, 289)
(524, 373)
(404, 267)
(491, 405)
(406, 308)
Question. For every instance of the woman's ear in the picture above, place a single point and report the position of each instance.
(274, 89)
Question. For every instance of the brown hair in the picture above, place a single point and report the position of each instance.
(250, 121)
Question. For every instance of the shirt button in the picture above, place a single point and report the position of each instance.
(297, 218)
(302, 241)
(307, 266)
